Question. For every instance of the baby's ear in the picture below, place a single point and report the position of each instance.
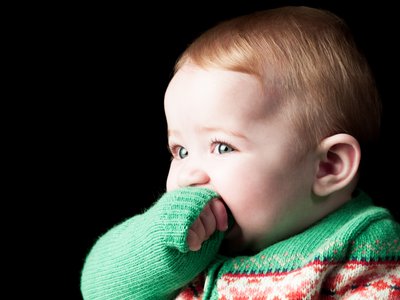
(339, 159)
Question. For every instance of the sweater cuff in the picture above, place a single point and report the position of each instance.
(178, 210)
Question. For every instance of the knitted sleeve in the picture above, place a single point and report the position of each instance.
(147, 257)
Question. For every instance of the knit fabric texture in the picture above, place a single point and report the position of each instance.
(353, 253)
(147, 257)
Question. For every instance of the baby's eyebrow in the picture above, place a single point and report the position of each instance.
(226, 131)
(172, 132)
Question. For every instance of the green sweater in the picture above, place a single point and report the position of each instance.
(355, 251)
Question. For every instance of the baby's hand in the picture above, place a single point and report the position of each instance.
(213, 217)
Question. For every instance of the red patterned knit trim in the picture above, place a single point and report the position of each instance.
(194, 290)
(317, 280)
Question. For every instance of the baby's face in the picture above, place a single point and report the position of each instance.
(225, 134)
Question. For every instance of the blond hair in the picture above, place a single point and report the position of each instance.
(305, 57)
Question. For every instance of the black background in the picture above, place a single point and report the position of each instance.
(106, 155)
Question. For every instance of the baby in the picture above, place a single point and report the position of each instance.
(266, 113)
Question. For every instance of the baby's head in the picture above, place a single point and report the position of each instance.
(306, 59)
(268, 110)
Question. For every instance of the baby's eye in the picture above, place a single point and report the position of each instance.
(178, 152)
(182, 152)
(223, 148)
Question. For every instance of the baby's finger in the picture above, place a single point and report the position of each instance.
(198, 228)
(196, 235)
(221, 215)
(209, 221)
(193, 240)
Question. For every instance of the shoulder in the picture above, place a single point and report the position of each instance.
(373, 232)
